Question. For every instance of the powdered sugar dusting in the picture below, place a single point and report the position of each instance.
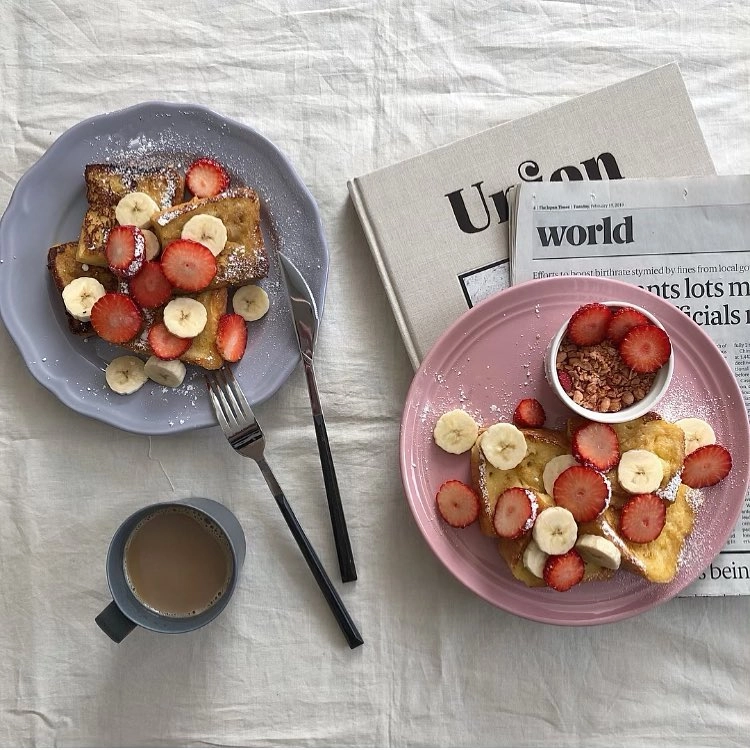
(669, 492)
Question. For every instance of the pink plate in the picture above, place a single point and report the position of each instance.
(491, 358)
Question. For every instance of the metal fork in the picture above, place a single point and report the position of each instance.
(244, 434)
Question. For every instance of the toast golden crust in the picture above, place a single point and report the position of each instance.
(106, 184)
(541, 445)
(202, 352)
(244, 258)
(63, 267)
(652, 433)
(657, 561)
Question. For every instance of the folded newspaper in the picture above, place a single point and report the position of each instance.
(685, 239)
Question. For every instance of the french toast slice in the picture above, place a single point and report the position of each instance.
(652, 433)
(656, 561)
(106, 184)
(202, 352)
(244, 258)
(63, 267)
(542, 445)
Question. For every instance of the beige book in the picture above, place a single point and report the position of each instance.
(437, 224)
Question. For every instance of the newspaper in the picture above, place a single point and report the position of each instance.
(441, 218)
(685, 239)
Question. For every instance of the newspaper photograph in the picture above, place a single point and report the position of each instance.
(687, 240)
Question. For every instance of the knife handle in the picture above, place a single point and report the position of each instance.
(343, 618)
(338, 521)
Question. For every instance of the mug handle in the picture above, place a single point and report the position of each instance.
(114, 623)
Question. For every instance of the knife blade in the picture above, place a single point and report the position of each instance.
(305, 317)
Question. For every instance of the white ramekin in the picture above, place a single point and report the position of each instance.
(635, 410)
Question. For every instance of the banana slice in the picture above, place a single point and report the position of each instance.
(251, 302)
(640, 471)
(504, 445)
(136, 209)
(185, 317)
(555, 530)
(208, 230)
(152, 244)
(455, 431)
(534, 559)
(165, 372)
(125, 375)
(553, 468)
(697, 433)
(599, 551)
(80, 295)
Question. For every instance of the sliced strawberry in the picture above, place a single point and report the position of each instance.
(164, 344)
(515, 512)
(596, 445)
(642, 518)
(116, 318)
(231, 337)
(588, 324)
(125, 250)
(583, 491)
(645, 348)
(562, 572)
(188, 265)
(457, 503)
(150, 287)
(565, 381)
(529, 413)
(706, 466)
(205, 178)
(622, 321)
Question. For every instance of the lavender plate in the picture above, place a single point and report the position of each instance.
(47, 207)
(491, 358)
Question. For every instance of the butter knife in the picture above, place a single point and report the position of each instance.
(305, 316)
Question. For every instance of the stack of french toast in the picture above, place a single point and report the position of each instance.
(656, 560)
(157, 204)
(576, 504)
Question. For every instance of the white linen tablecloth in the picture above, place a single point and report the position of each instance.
(341, 88)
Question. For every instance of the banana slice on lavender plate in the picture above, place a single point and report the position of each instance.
(208, 230)
(185, 317)
(167, 372)
(126, 374)
(136, 209)
(80, 295)
(251, 302)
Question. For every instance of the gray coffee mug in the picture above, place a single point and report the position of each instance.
(125, 611)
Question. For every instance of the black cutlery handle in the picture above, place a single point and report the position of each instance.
(340, 612)
(335, 509)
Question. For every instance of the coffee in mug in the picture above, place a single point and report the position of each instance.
(172, 567)
(177, 562)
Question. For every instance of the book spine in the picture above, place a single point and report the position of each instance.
(360, 205)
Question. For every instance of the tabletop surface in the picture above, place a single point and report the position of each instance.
(342, 89)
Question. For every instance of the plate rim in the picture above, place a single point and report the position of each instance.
(27, 346)
(432, 539)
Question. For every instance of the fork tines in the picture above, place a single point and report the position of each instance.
(232, 408)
